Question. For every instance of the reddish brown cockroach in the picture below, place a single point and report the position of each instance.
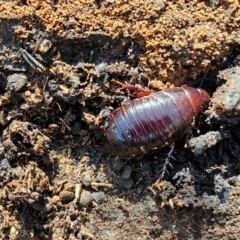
(149, 123)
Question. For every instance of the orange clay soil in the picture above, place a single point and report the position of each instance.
(181, 39)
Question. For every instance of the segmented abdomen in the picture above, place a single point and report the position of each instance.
(152, 122)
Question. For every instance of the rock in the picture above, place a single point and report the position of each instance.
(127, 170)
(117, 164)
(16, 82)
(127, 184)
(67, 195)
(85, 198)
(98, 196)
(87, 178)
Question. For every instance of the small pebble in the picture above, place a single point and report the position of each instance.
(85, 198)
(127, 170)
(117, 164)
(67, 195)
(87, 179)
(55, 199)
(127, 184)
(98, 196)
(16, 82)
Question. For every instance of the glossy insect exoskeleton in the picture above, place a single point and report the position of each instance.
(149, 123)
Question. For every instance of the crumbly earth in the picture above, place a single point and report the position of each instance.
(57, 60)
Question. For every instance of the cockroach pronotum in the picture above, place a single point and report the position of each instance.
(149, 123)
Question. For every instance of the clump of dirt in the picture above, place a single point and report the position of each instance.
(225, 103)
(201, 143)
(57, 60)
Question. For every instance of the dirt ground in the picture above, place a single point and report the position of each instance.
(57, 60)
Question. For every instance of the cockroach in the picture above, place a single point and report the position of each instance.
(153, 121)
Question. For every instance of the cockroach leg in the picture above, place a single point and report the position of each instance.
(140, 92)
(166, 163)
